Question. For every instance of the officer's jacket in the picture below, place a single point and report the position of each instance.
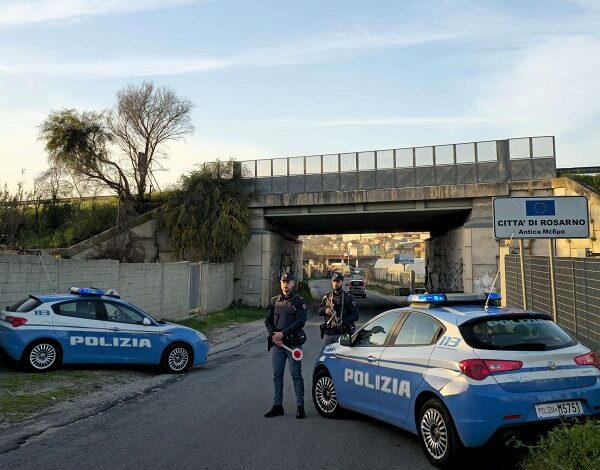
(349, 314)
(286, 315)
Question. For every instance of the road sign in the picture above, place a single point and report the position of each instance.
(402, 259)
(541, 217)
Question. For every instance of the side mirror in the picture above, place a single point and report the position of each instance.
(146, 322)
(346, 340)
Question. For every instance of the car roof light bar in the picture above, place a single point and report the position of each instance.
(86, 291)
(427, 298)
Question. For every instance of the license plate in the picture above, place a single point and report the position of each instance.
(555, 410)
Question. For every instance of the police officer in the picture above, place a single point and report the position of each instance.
(286, 316)
(339, 319)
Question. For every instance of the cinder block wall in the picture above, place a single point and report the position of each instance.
(141, 284)
(216, 289)
(161, 289)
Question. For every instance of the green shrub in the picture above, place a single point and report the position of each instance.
(304, 290)
(567, 447)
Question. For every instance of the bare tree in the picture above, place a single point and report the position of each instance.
(144, 118)
(52, 184)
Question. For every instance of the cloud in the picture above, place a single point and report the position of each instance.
(550, 87)
(287, 54)
(421, 121)
(20, 13)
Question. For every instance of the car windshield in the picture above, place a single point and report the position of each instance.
(25, 305)
(516, 333)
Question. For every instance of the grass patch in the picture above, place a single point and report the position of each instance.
(23, 393)
(567, 447)
(232, 315)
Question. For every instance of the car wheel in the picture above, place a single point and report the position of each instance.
(325, 396)
(41, 356)
(439, 438)
(177, 358)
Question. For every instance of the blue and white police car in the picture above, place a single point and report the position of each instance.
(458, 373)
(89, 326)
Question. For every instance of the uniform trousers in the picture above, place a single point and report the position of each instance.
(279, 356)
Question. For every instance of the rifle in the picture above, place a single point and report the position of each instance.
(334, 315)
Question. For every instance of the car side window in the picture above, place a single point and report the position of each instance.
(375, 333)
(418, 329)
(122, 314)
(85, 309)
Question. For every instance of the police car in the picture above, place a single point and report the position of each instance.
(458, 373)
(90, 326)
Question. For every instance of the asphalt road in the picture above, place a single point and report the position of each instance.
(213, 419)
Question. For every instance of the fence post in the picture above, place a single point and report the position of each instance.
(552, 284)
(523, 287)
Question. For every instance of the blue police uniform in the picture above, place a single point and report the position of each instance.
(287, 315)
(346, 311)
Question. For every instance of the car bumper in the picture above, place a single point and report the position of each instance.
(200, 352)
(483, 411)
(11, 343)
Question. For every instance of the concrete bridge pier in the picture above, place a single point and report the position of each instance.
(465, 258)
(270, 252)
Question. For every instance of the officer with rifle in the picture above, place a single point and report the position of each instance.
(340, 311)
(286, 316)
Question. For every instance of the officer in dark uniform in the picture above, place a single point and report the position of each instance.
(340, 311)
(286, 316)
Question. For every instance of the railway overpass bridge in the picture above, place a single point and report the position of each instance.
(446, 190)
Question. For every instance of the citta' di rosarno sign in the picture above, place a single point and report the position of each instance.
(541, 217)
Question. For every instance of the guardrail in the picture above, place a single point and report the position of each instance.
(491, 161)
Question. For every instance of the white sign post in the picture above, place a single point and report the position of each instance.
(541, 217)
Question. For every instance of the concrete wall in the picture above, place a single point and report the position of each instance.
(160, 289)
(260, 264)
(216, 286)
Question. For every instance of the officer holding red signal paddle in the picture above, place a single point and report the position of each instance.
(286, 316)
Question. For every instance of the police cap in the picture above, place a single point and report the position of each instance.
(337, 277)
(287, 277)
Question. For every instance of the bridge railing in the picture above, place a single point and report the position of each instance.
(493, 161)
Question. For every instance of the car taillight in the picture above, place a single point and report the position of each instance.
(16, 321)
(479, 369)
(589, 359)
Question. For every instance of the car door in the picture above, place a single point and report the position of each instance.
(357, 366)
(131, 340)
(80, 331)
(403, 363)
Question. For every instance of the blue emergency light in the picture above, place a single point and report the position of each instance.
(493, 296)
(86, 291)
(427, 298)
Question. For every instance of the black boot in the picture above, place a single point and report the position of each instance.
(300, 412)
(277, 410)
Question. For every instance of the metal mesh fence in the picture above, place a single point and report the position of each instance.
(519, 148)
(543, 147)
(444, 155)
(577, 288)
(424, 156)
(348, 162)
(404, 158)
(465, 153)
(463, 163)
(366, 161)
(385, 159)
(486, 151)
(331, 163)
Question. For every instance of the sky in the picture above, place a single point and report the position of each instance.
(301, 77)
